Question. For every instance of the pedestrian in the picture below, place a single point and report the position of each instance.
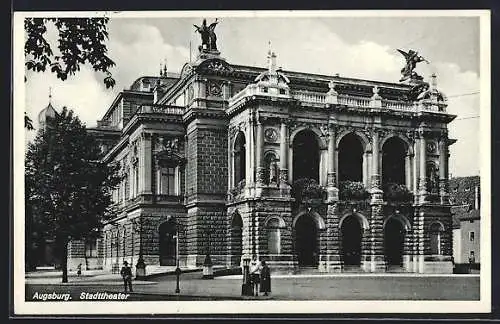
(126, 273)
(79, 270)
(255, 274)
(265, 279)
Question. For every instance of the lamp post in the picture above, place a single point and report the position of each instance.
(177, 269)
(246, 288)
(140, 267)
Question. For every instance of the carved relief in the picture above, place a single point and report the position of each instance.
(190, 93)
(271, 135)
(214, 89)
(431, 147)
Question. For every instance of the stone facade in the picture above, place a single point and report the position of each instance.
(214, 160)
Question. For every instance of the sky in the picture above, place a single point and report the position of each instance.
(359, 47)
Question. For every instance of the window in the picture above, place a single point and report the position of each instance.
(273, 236)
(167, 181)
(91, 248)
(127, 187)
(239, 158)
(471, 236)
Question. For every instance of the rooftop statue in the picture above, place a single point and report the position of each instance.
(412, 58)
(208, 36)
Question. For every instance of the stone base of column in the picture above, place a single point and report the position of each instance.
(408, 263)
(333, 194)
(375, 264)
(330, 263)
(377, 195)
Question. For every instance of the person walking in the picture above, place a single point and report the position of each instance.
(126, 273)
(265, 279)
(79, 270)
(255, 274)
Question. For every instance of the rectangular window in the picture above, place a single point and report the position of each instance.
(168, 182)
(471, 236)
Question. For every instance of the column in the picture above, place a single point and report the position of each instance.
(229, 161)
(331, 175)
(259, 147)
(145, 165)
(376, 192)
(443, 170)
(408, 172)
(422, 169)
(283, 154)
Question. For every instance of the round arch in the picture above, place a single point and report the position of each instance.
(365, 225)
(436, 226)
(319, 136)
(400, 218)
(407, 144)
(365, 141)
(320, 223)
(166, 219)
(281, 222)
(236, 220)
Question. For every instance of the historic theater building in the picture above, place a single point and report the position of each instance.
(302, 170)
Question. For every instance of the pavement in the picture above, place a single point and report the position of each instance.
(343, 286)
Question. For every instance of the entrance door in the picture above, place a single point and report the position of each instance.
(306, 234)
(351, 241)
(394, 236)
(167, 244)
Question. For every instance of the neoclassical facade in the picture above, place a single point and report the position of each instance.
(306, 171)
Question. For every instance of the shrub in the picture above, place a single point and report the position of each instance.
(397, 192)
(307, 189)
(352, 190)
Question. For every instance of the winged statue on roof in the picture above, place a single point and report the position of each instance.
(412, 58)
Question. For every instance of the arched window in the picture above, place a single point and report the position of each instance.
(393, 161)
(435, 238)
(239, 158)
(306, 156)
(350, 158)
(273, 236)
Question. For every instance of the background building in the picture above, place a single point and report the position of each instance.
(303, 170)
(464, 192)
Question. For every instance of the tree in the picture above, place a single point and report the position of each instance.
(68, 187)
(80, 41)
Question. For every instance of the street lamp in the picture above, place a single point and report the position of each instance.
(208, 271)
(246, 287)
(140, 267)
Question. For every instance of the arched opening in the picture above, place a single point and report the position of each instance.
(239, 158)
(306, 241)
(350, 158)
(167, 232)
(435, 238)
(236, 239)
(351, 232)
(306, 156)
(394, 236)
(393, 161)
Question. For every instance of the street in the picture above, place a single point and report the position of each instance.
(329, 287)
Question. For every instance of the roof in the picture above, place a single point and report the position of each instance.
(48, 111)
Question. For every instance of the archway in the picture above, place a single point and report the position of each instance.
(350, 158)
(306, 156)
(167, 232)
(236, 239)
(306, 241)
(351, 231)
(394, 237)
(393, 161)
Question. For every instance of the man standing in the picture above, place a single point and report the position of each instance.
(255, 274)
(126, 273)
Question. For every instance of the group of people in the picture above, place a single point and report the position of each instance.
(260, 277)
